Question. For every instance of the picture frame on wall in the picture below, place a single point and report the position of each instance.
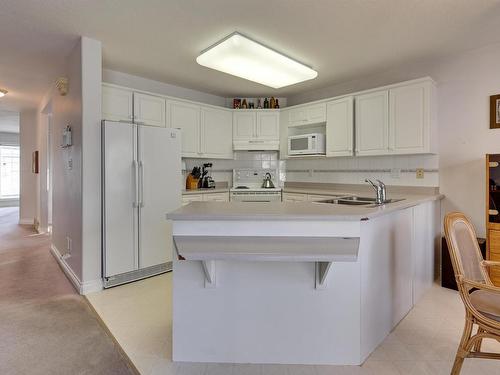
(495, 111)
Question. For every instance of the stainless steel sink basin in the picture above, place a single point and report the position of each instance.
(358, 201)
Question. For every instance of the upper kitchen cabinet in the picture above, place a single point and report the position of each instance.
(216, 133)
(340, 127)
(122, 104)
(256, 129)
(411, 118)
(206, 132)
(306, 115)
(149, 110)
(372, 123)
(186, 117)
(117, 104)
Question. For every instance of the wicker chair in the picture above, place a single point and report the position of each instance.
(480, 297)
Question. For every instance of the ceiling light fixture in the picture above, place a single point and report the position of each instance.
(242, 57)
(3, 93)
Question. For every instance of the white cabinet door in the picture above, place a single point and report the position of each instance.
(149, 110)
(268, 125)
(409, 118)
(117, 104)
(316, 113)
(216, 133)
(186, 117)
(297, 116)
(244, 125)
(372, 123)
(284, 116)
(216, 197)
(312, 114)
(340, 127)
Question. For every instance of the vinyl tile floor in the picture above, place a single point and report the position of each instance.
(424, 343)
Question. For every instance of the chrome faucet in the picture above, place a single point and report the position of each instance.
(380, 191)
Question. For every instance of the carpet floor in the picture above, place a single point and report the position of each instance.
(45, 326)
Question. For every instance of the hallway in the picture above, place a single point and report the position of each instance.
(45, 326)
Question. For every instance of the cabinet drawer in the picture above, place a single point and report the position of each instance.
(216, 197)
(186, 199)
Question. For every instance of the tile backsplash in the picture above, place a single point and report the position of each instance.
(397, 170)
(222, 169)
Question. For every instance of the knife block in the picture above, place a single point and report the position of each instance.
(191, 182)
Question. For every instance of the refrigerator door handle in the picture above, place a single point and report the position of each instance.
(135, 203)
(141, 184)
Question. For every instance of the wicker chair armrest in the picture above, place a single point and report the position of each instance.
(490, 263)
(475, 284)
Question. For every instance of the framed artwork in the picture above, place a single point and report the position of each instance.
(34, 162)
(495, 111)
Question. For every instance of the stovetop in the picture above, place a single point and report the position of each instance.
(247, 179)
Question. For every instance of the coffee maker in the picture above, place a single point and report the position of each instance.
(206, 180)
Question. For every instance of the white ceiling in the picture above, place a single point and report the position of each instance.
(9, 122)
(160, 39)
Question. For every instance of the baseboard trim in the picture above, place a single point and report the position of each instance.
(123, 353)
(26, 222)
(82, 288)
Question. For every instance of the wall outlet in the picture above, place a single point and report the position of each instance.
(311, 172)
(420, 173)
(70, 164)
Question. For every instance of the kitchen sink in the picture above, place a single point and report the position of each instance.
(358, 201)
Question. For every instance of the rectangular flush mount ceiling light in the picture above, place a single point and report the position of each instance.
(242, 57)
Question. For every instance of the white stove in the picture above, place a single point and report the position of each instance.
(247, 186)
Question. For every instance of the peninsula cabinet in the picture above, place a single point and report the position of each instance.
(206, 132)
(340, 127)
(121, 104)
(256, 129)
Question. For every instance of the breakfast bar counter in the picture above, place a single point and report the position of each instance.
(297, 283)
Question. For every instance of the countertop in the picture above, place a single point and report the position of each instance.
(206, 191)
(282, 211)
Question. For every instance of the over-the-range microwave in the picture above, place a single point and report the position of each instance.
(306, 144)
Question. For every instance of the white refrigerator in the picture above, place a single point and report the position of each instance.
(141, 174)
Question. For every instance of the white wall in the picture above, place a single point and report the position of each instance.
(140, 83)
(76, 190)
(465, 82)
(91, 163)
(28, 180)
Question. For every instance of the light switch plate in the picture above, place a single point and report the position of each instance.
(420, 173)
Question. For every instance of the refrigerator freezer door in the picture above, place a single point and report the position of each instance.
(120, 218)
(160, 192)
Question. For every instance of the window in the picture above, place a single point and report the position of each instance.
(9, 172)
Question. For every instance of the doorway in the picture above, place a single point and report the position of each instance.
(9, 159)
